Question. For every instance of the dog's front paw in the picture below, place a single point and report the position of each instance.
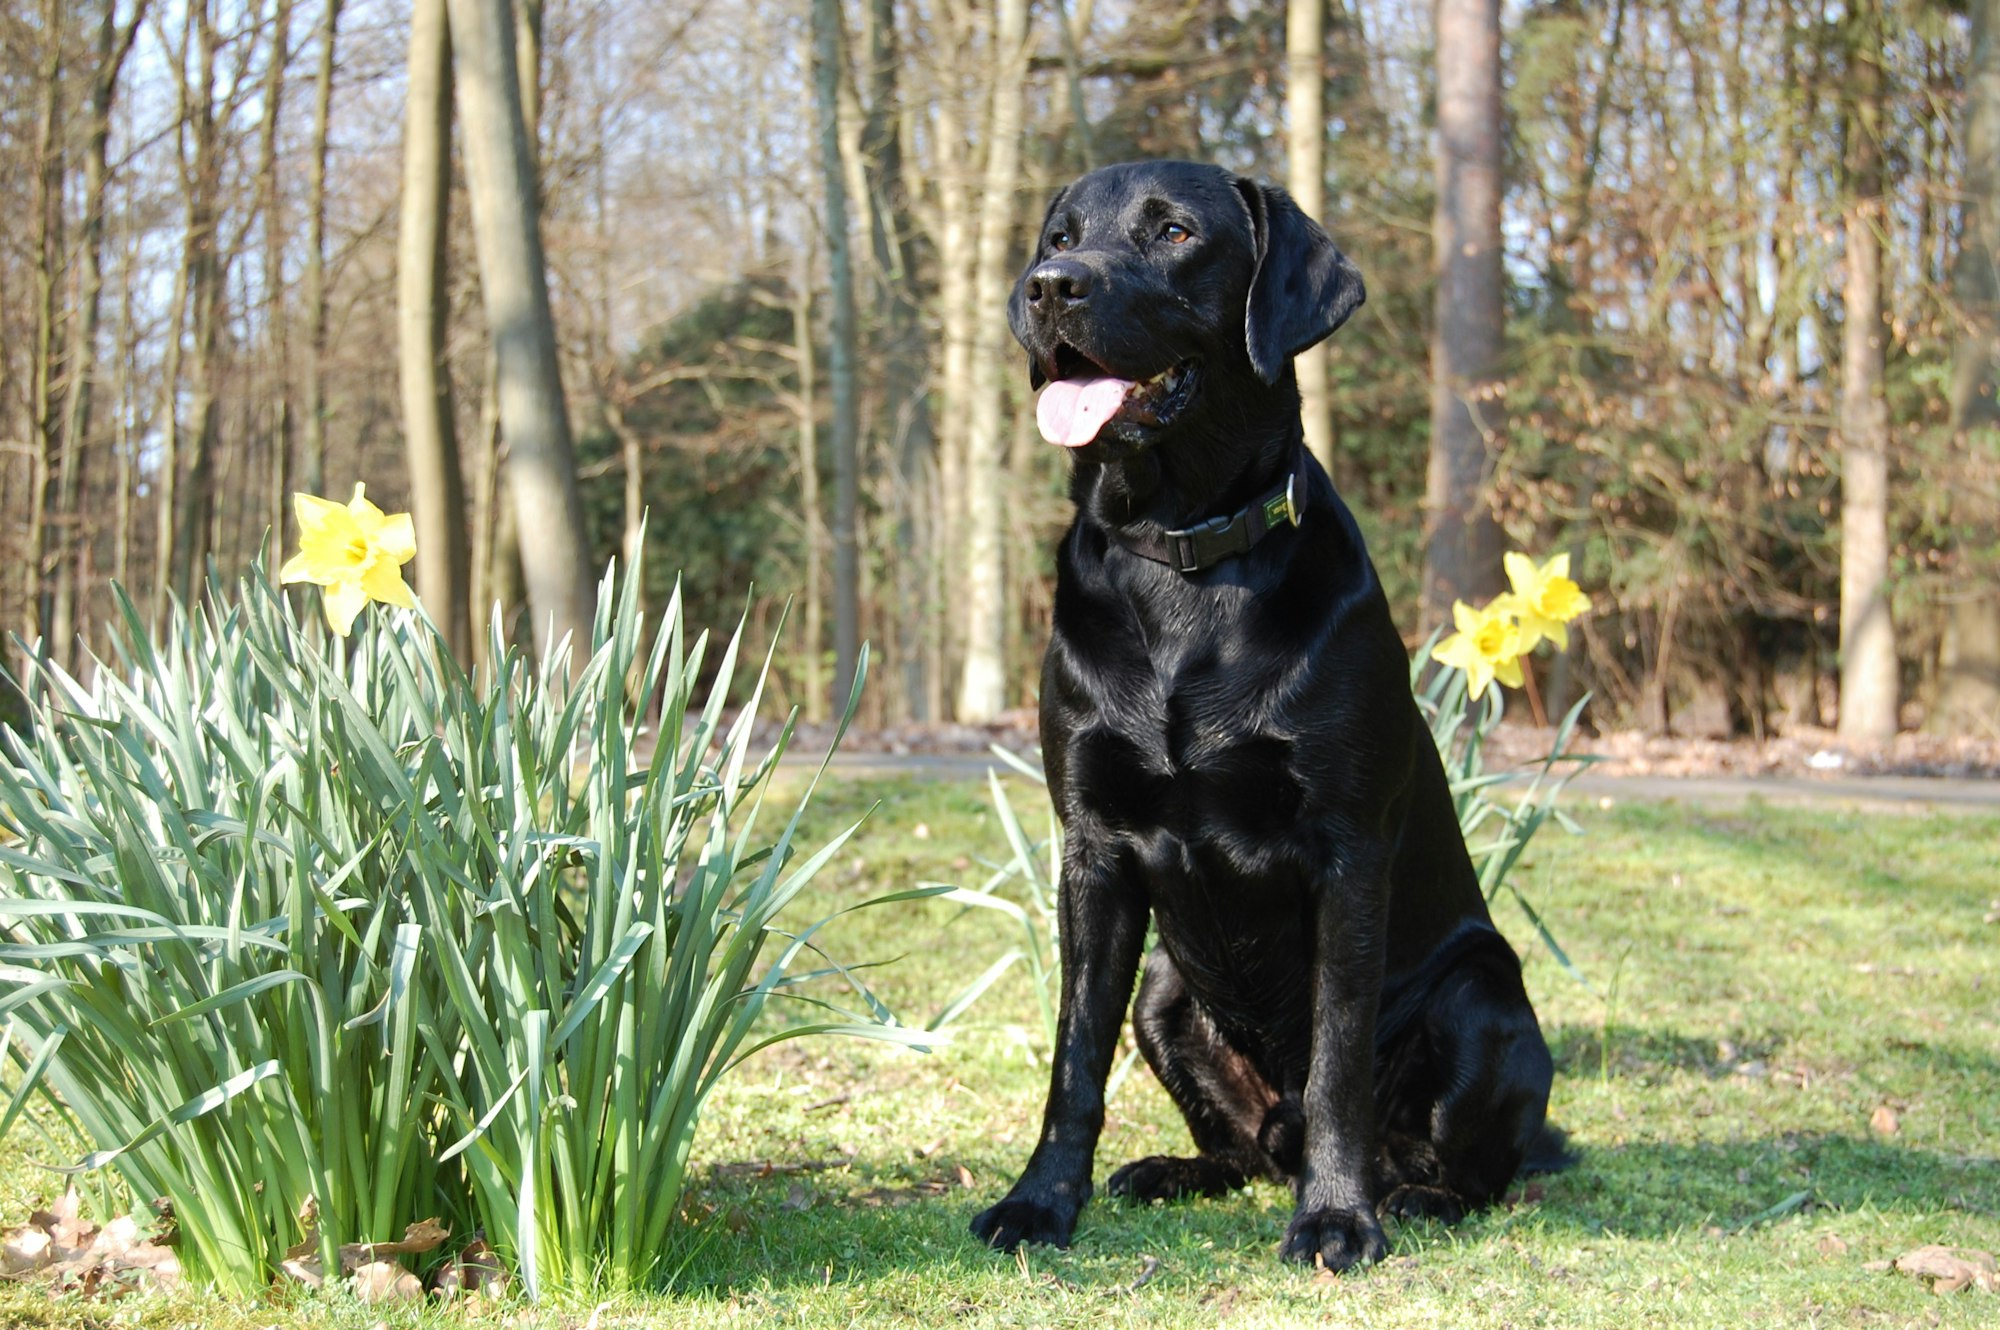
(1018, 1219)
(1412, 1201)
(1165, 1178)
(1338, 1239)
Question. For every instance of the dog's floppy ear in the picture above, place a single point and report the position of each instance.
(1304, 287)
(1017, 316)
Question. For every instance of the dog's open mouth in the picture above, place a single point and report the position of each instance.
(1081, 399)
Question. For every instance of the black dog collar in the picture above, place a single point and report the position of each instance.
(1206, 544)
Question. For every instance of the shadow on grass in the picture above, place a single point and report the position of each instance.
(785, 1233)
(1580, 1053)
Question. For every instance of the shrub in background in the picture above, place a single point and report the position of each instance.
(299, 930)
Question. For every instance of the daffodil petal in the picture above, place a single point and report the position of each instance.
(1464, 617)
(382, 582)
(313, 511)
(1508, 671)
(296, 569)
(365, 514)
(344, 600)
(396, 539)
(1559, 635)
(1558, 566)
(1520, 573)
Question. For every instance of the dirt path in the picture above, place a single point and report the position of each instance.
(1903, 794)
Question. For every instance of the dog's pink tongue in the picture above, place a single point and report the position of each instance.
(1071, 411)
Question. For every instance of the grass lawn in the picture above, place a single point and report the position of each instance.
(1788, 1066)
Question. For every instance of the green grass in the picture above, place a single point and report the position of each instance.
(1763, 982)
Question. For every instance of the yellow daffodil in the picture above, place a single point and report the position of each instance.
(1544, 599)
(1487, 645)
(355, 551)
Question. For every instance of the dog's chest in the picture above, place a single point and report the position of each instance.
(1187, 748)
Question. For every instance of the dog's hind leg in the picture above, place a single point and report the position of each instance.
(1227, 1104)
(1464, 1100)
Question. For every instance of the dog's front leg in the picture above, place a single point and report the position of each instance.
(1102, 916)
(1335, 1220)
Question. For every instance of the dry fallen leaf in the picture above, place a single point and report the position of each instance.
(1832, 1244)
(385, 1281)
(1953, 1268)
(302, 1260)
(26, 1249)
(78, 1255)
(1885, 1121)
(473, 1276)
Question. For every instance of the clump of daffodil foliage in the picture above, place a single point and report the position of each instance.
(317, 937)
(1489, 644)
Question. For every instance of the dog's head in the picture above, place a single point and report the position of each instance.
(1165, 297)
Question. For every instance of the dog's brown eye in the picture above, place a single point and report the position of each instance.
(1060, 240)
(1176, 234)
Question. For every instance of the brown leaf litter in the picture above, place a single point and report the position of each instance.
(74, 1254)
(1952, 1268)
(371, 1274)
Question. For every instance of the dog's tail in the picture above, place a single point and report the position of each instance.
(1549, 1152)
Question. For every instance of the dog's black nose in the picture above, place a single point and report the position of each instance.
(1058, 285)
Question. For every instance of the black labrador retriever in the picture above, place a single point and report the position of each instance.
(1233, 750)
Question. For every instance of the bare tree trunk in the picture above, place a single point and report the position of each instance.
(279, 443)
(513, 280)
(957, 317)
(1969, 660)
(437, 488)
(125, 467)
(1069, 35)
(1867, 637)
(168, 418)
(982, 687)
(114, 43)
(1305, 176)
(815, 530)
(840, 371)
(45, 532)
(312, 465)
(909, 432)
(1462, 541)
(194, 513)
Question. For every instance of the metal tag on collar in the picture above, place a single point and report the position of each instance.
(1281, 509)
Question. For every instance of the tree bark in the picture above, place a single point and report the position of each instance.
(817, 698)
(194, 512)
(278, 443)
(982, 688)
(1969, 660)
(846, 421)
(113, 44)
(437, 486)
(312, 464)
(910, 436)
(1305, 176)
(45, 535)
(1462, 541)
(513, 280)
(1867, 637)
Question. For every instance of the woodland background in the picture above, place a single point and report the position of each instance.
(1703, 294)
